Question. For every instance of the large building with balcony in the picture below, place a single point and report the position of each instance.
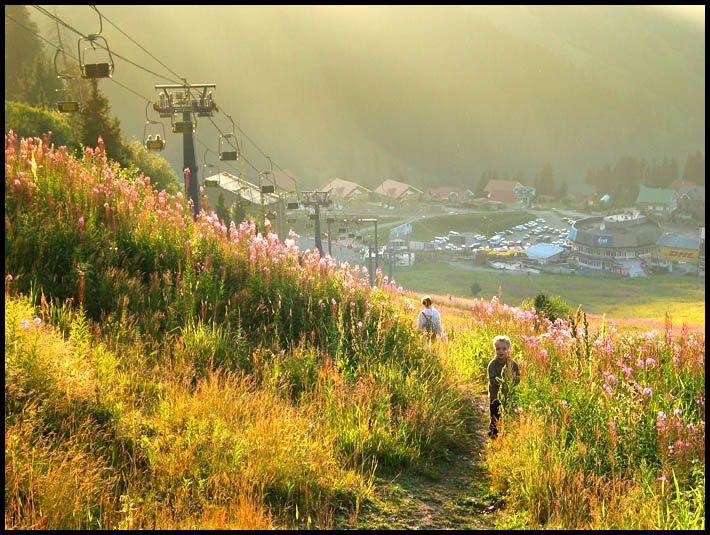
(623, 244)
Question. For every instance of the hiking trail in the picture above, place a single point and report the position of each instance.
(453, 494)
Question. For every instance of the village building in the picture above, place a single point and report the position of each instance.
(545, 253)
(623, 244)
(677, 253)
(344, 190)
(234, 189)
(503, 190)
(398, 191)
(656, 201)
(691, 202)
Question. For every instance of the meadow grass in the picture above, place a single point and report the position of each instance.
(605, 430)
(642, 297)
(193, 374)
(182, 374)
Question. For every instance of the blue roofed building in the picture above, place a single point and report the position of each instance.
(545, 253)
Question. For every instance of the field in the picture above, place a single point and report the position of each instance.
(648, 298)
(165, 372)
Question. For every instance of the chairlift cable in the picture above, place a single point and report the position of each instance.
(138, 44)
(182, 80)
(59, 20)
(259, 149)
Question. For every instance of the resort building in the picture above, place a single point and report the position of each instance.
(623, 244)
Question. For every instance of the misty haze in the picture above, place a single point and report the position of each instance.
(428, 95)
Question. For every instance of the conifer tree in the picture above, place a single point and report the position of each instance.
(97, 122)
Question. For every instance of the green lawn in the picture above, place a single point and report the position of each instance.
(643, 297)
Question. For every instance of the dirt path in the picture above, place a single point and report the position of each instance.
(453, 495)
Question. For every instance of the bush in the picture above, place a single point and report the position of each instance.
(155, 166)
(27, 121)
(553, 306)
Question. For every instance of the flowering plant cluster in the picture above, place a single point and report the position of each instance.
(103, 222)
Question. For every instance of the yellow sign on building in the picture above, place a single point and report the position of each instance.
(679, 255)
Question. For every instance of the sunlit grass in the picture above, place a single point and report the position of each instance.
(181, 374)
(642, 297)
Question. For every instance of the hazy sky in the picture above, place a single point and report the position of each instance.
(430, 95)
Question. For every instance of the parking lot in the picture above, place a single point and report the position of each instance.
(543, 227)
(547, 227)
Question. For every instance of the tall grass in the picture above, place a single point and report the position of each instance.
(185, 374)
(605, 430)
(182, 374)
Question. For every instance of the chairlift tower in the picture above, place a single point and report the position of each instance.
(316, 199)
(183, 104)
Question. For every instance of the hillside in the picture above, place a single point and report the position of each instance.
(183, 374)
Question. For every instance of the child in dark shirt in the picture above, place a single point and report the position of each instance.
(502, 363)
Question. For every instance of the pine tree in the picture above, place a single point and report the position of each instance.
(96, 122)
(547, 180)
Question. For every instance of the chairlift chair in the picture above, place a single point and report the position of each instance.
(67, 105)
(228, 155)
(207, 166)
(94, 70)
(156, 144)
(150, 143)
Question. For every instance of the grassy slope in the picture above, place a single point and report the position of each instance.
(300, 431)
(645, 298)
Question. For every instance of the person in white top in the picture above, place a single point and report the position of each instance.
(429, 321)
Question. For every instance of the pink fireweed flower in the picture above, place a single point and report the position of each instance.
(661, 421)
(640, 363)
(647, 391)
(678, 412)
(25, 324)
(564, 403)
(662, 478)
(650, 362)
(610, 378)
(607, 389)
(359, 325)
(37, 321)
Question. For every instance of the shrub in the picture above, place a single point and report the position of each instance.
(27, 121)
